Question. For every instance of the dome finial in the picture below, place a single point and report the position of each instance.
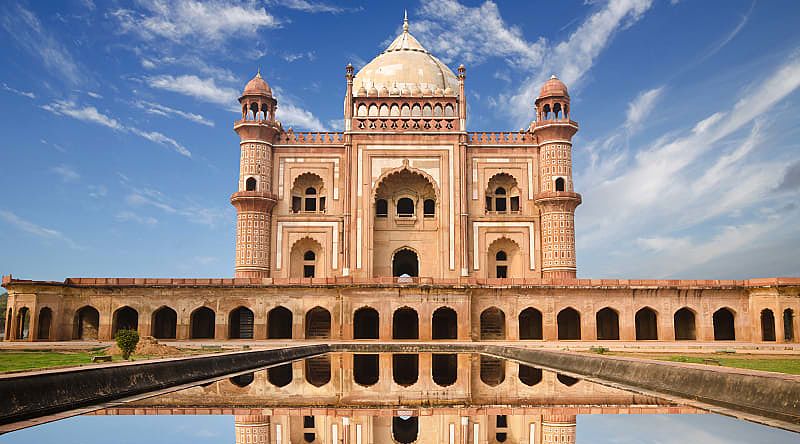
(405, 20)
(258, 74)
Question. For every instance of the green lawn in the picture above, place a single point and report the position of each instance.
(780, 365)
(29, 360)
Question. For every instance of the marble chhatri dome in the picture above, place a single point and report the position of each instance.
(405, 68)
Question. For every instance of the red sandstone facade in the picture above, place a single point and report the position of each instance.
(407, 218)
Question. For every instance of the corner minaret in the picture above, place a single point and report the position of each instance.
(254, 199)
(556, 198)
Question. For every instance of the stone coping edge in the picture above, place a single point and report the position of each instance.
(35, 394)
(8, 280)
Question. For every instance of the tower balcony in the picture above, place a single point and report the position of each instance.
(253, 201)
(560, 198)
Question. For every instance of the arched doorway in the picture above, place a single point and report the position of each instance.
(405, 324)
(44, 321)
(530, 324)
(164, 323)
(684, 325)
(202, 324)
(569, 324)
(366, 323)
(23, 323)
(405, 369)
(405, 430)
(306, 259)
(240, 323)
(788, 325)
(87, 323)
(318, 370)
(646, 325)
(318, 323)
(444, 368)
(767, 325)
(493, 324)
(280, 375)
(405, 263)
(529, 376)
(607, 324)
(125, 318)
(493, 370)
(503, 259)
(724, 328)
(444, 323)
(279, 323)
(365, 369)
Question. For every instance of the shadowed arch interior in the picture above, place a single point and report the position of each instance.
(405, 262)
(87, 323)
(569, 324)
(318, 323)
(530, 324)
(724, 328)
(44, 323)
(405, 431)
(164, 323)
(788, 324)
(405, 369)
(366, 323)
(685, 325)
(279, 323)
(493, 370)
(365, 369)
(607, 324)
(280, 375)
(405, 324)
(444, 323)
(444, 368)
(240, 323)
(568, 381)
(202, 324)
(23, 323)
(646, 324)
(767, 325)
(529, 376)
(125, 318)
(318, 370)
(242, 380)
(493, 324)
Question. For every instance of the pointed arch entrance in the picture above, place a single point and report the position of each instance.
(366, 323)
(405, 262)
(405, 324)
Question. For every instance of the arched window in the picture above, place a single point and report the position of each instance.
(560, 184)
(44, 321)
(405, 324)
(444, 324)
(87, 323)
(125, 318)
(444, 368)
(240, 323)
(365, 369)
(530, 324)
(405, 262)
(279, 323)
(501, 264)
(502, 194)
(304, 257)
(250, 184)
(318, 323)
(429, 208)
(202, 324)
(308, 264)
(307, 194)
(381, 208)
(405, 207)
(405, 369)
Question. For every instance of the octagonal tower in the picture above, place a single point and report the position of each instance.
(556, 198)
(254, 199)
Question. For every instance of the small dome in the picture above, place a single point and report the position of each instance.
(553, 87)
(257, 87)
(362, 92)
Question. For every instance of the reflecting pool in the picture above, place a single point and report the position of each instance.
(375, 398)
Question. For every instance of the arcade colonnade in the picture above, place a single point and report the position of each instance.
(392, 313)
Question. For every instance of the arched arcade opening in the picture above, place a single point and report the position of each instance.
(86, 324)
(202, 323)
(164, 323)
(366, 323)
(279, 323)
(444, 323)
(240, 323)
(493, 324)
(569, 324)
(405, 324)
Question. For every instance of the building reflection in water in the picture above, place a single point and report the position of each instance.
(401, 398)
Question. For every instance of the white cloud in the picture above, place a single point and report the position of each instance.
(163, 110)
(86, 113)
(640, 108)
(98, 191)
(205, 90)
(27, 94)
(36, 230)
(94, 95)
(130, 216)
(187, 21)
(67, 173)
(28, 32)
(191, 211)
(474, 34)
(92, 115)
(309, 6)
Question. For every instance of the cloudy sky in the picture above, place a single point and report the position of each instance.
(118, 156)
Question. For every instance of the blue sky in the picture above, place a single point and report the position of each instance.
(118, 156)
